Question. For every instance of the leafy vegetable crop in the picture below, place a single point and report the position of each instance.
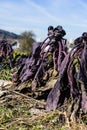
(72, 82)
(38, 63)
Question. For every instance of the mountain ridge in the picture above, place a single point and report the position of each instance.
(4, 34)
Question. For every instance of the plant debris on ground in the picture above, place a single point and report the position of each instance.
(19, 111)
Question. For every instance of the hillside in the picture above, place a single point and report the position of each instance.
(10, 36)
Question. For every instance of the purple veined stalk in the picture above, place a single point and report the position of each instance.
(53, 97)
(40, 70)
(6, 52)
(84, 98)
(77, 53)
(9, 54)
(55, 58)
(44, 45)
(74, 90)
(28, 63)
(65, 48)
(81, 79)
(63, 69)
(38, 76)
(75, 80)
(84, 60)
(55, 94)
(60, 55)
(29, 69)
(28, 74)
(23, 70)
(82, 75)
(76, 47)
(20, 62)
(32, 60)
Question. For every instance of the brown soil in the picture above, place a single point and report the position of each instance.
(24, 109)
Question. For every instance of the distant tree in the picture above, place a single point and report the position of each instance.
(26, 41)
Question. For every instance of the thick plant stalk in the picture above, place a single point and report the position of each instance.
(72, 81)
(56, 93)
(53, 97)
(37, 62)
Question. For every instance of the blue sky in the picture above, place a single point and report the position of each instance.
(36, 15)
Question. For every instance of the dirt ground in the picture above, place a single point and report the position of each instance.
(22, 109)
